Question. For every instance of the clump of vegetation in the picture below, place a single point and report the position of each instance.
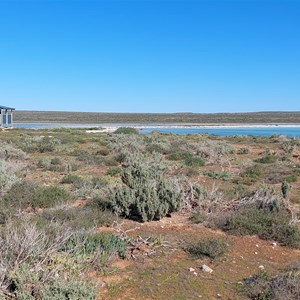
(145, 195)
(253, 172)
(283, 286)
(88, 243)
(210, 247)
(193, 161)
(85, 217)
(217, 175)
(126, 130)
(27, 194)
(268, 159)
(265, 215)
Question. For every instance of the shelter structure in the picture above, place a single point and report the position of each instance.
(6, 116)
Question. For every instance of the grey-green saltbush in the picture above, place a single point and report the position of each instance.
(145, 195)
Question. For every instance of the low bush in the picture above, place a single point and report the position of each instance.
(72, 179)
(211, 247)
(271, 224)
(268, 159)
(126, 130)
(145, 195)
(114, 171)
(198, 217)
(253, 172)
(193, 161)
(217, 175)
(88, 243)
(25, 194)
(283, 286)
(88, 216)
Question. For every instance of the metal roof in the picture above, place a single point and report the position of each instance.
(5, 107)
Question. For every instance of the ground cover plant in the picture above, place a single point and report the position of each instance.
(81, 213)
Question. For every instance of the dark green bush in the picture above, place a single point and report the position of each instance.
(211, 247)
(55, 161)
(126, 130)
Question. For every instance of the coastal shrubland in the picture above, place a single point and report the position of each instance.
(79, 209)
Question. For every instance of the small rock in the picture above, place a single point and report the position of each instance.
(191, 269)
(255, 253)
(262, 267)
(219, 295)
(274, 244)
(256, 245)
(206, 269)
(195, 273)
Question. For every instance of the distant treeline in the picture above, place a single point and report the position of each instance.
(155, 118)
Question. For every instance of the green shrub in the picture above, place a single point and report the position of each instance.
(103, 152)
(126, 130)
(88, 216)
(25, 284)
(217, 175)
(25, 194)
(270, 224)
(193, 161)
(283, 286)
(253, 172)
(198, 217)
(291, 178)
(88, 243)
(114, 171)
(71, 178)
(145, 195)
(211, 247)
(268, 159)
(69, 290)
(55, 161)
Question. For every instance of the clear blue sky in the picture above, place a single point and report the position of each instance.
(150, 56)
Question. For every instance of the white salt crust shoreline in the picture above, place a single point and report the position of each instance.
(112, 128)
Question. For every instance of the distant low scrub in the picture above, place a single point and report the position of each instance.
(126, 130)
(193, 161)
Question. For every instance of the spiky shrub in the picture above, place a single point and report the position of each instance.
(145, 194)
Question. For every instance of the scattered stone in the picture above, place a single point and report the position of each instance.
(256, 245)
(195, 273)
(274, 244)
(206, 269)
(262, 267)
(255, 253)
(191, 269)
(219, 295)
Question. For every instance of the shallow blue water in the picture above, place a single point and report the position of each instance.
(288, 131)
(259, 131)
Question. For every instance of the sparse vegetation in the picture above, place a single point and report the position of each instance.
(66, 197)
